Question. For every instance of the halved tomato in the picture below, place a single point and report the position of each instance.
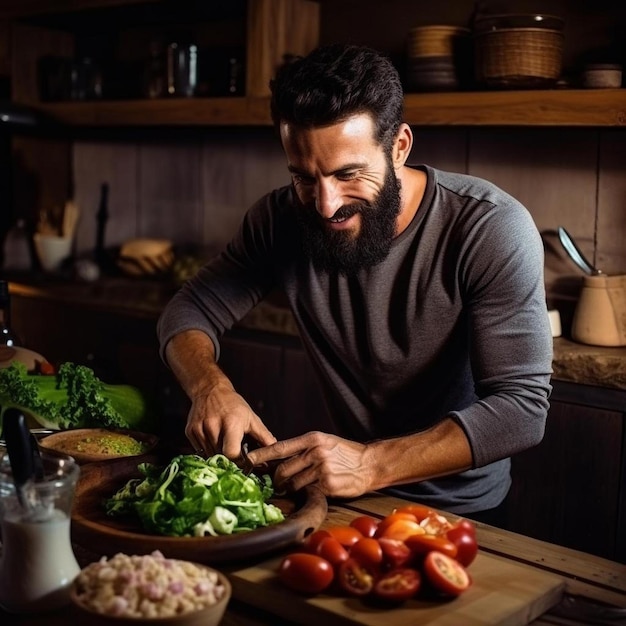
(423, 544)
(435, 524)
(355, 578)
(395, 552)
(446, 574)
(398, 585)
(367, 551)
(306, 573)
(402, 529)
(392, 518)
(420, 511)
(365, 524)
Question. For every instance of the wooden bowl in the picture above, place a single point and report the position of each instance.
(210, 615)
(100, 533)
(89, 445)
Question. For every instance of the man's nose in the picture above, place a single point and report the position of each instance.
(328, 198)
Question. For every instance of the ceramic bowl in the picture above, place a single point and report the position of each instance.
(85, 585)
(89, 445)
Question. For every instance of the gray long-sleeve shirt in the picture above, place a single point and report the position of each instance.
(452, 322)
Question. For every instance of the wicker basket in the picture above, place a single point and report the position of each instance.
(518, 57)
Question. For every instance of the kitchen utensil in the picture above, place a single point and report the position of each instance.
(21, 454)
(304, 512)
(575, 254)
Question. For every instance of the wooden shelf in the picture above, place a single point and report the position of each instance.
(593, 108)
(571, 107)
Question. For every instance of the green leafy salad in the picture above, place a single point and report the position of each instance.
(195, 497)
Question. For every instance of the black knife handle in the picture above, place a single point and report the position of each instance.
(19, 448)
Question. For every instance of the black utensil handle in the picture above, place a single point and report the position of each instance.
(19, 448)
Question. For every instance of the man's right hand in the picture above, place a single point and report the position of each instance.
(219, 417)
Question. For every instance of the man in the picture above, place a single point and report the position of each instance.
(418, 294)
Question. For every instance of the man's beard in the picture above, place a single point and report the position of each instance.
(340, 251)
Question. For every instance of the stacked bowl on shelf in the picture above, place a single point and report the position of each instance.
(438, 58)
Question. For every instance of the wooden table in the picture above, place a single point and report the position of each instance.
(584, 575)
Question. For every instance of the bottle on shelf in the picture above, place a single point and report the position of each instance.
(7, 336)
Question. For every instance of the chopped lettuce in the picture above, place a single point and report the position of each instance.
(192, 496)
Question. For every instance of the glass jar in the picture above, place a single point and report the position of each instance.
(37, 565)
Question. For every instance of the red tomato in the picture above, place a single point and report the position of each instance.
(392, 518)
(423, 544)
(446, 574)
(419, 510)
(367, 551)
(398, 585)
(306, 573)
(435, 524)
(314, 539)
(347, 536)
(355, 579)
(402, 529)
(465, 541)
(365, 524)
(331, 550)
(466, 524)
(395, 553)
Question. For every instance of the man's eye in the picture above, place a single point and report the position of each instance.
(303, 180)
(347, 175)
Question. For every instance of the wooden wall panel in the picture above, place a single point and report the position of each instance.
(115, 163)
(611, 252)
(169, 194)
(238, 168)
(444, 148)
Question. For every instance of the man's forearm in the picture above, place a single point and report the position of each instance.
(191, 357)
(439, 451)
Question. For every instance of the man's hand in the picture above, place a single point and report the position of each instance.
(218, 421)
(336, 466)
(219, 417)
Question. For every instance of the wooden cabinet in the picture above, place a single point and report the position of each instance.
(571, 488)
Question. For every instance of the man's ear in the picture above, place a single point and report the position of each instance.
(402, 146)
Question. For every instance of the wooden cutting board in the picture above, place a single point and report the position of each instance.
(503, 592)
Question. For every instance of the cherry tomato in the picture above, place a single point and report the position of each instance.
(395, 553)
(367, 551)
(392, 518)
(347, 536)
(446, 574)
(398, 585)
(365, 524)
(466, 524)
(331, 550)
(402, 529)
(314, 539)
(419, 510)
(355, 578)
(465, 541)
(306, 573)
(435, 524)
(423, 544)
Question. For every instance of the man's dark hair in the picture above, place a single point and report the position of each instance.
(335, 82)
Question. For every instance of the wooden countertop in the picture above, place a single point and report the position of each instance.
(573, 362)
(583, 575)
